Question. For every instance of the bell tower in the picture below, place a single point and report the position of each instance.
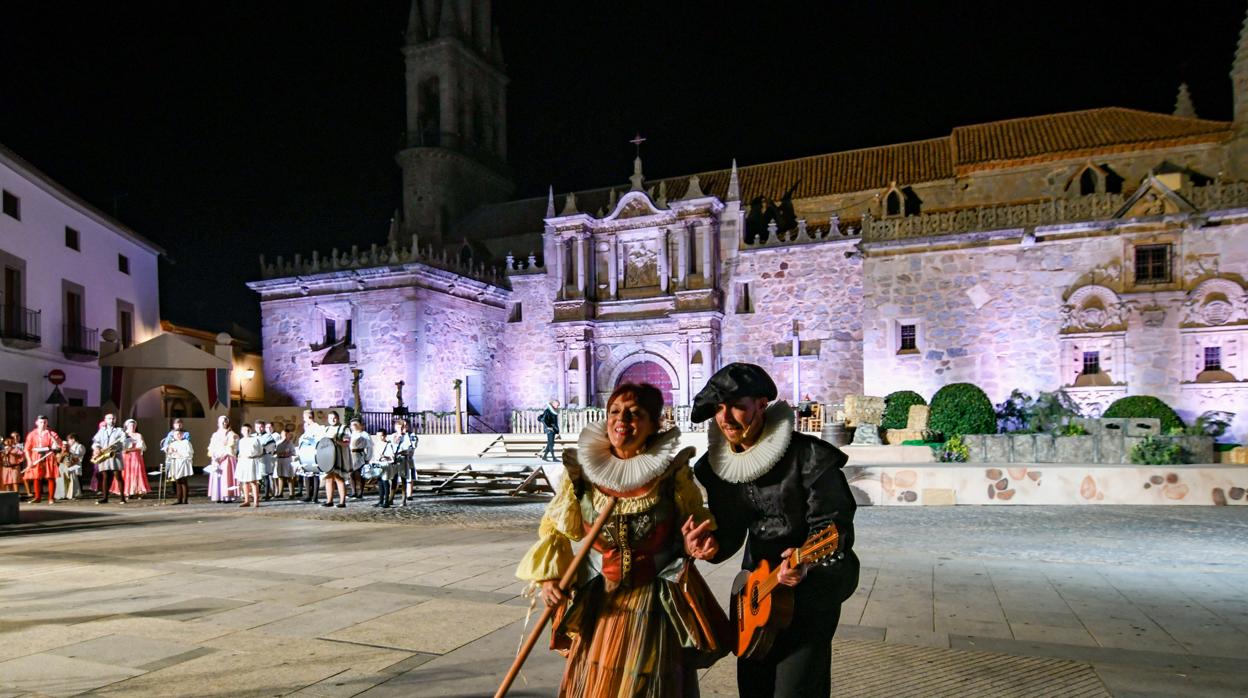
(455, 145)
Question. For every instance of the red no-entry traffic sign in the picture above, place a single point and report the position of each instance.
(56, 376)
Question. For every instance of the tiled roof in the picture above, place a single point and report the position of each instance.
(1054, 136)
(984, 146)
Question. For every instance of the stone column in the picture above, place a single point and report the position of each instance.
(613, 266)
(664, 264)
(586, 372)
(448, 89)
(581, 275)
(797, 360)
(682, 257)
(685, 386)
(560, 273)
(707, 272)
(563, 373)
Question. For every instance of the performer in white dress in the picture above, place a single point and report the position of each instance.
(284, 469)
(312, 432)
(361, 454)
(70, 485)
(111, 439)
(179, 460)
(336, 478)
(250, 451)
(222, 454)
(268, 462)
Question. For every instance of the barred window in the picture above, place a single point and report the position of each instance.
(1152, 264)
(908, 337)
(1091, 363)
(1213, 358)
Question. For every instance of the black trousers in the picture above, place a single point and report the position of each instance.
(312, 487)
(550, 443)
(799, 664)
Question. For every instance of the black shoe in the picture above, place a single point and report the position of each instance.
(306, 499)
(340, 505)
(327, 504)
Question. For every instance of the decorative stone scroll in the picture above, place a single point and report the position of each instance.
(1216, 302)
(1094, 308)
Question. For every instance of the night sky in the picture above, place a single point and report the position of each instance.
(225, 130)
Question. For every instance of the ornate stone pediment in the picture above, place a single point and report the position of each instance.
(1154, 198)
(1215, 302)
(1094, 308)
(634, 204)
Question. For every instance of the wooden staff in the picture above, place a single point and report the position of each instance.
(564, 583)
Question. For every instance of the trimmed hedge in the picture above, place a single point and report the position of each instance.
(1137, 406)
(962, 408)
(897, 408)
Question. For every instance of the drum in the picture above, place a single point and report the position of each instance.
(323, 458)
(374, 470)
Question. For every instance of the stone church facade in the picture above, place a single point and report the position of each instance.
(1103, 251)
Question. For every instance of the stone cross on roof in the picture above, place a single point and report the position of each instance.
(637, 179)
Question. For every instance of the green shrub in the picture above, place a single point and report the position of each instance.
(962, 408)
(1019, 413)
(897, 408)
(1071, 429)
(1144, 406)
(953, 451)
(1154, 450)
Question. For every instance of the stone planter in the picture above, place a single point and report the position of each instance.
(1076, 449)
(1022, 448)
(1199, 448)
(1143, 426)
(1045, 449)
(1128, 443)
(975, 446)
(997, 448)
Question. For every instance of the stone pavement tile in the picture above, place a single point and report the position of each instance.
(444, 624)
(980, 611)
(318, 623)
(53, 675)
(429, 592)
(343, 685)
(154, 628)
(18, 639)
(1132, 633)
(347, 583)
(1059, 619)
(1050, 633)
(267, 650)
(860, 632)
(367, 599)
(476, 670)
(252, 615)
(224, 674)
(1101, 655)
(908, 636)
(290, 594)
(191, 608)
(1134, 681)
(973, 627)
(123, 650)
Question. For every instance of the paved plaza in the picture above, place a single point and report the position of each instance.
(212, 600)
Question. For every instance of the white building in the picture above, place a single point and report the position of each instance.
(71, 272)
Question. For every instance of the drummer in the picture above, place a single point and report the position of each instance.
(312, 433)
(385, 469)
(336, 477)
(404, 456)
(283, 470)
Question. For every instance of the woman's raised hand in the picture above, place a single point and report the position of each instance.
(700, 542)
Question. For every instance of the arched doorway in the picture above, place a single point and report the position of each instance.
(167, 401)
(649, 372)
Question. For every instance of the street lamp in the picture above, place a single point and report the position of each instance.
(246, 375)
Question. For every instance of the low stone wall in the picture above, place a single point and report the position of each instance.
(956, 483)
(1108, 441)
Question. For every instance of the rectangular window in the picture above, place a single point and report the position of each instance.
(745, 304)
(123, 264)
(1091, 363)
(1213, 358)
(12, 206)
(907, 339)
(125, 323)
(72, 239)
(1152, 264)
(331, 332)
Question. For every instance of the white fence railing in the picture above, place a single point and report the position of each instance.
(572, 420)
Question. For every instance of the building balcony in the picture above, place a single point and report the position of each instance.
(19, 326)
(80, 343)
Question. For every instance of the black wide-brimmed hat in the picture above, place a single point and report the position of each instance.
(729, 383)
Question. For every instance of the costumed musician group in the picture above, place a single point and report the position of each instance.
(339, 456)
(630, 610)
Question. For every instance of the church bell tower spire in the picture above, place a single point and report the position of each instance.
(455, 144)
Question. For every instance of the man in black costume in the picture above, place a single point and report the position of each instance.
(771, 487)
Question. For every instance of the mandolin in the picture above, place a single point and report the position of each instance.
(762, 606)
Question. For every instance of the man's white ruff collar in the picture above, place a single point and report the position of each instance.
(603, 469)
(755, 461)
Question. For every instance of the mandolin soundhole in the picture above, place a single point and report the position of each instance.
(754, 600)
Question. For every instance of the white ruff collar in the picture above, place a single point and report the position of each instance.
(755, 461)
(603, 469)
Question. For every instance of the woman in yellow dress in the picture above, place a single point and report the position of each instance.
(639, 620)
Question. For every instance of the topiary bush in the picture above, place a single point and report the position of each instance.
(897, 408)
(1138, 406)
(962, 408)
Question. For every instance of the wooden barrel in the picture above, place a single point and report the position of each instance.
(835, 433)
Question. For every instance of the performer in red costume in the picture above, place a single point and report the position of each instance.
(43, 448)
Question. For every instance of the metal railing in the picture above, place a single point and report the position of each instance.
(572, 420)
(20, 323)
(80, 340)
